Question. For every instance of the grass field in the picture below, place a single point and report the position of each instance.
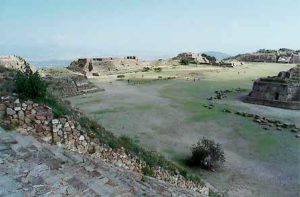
(169, 116)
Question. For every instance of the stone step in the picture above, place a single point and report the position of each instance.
(29, 167)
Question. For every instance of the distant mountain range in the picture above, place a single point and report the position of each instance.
(50, 63)
(217, 54)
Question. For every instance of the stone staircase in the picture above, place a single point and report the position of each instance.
(31, 168)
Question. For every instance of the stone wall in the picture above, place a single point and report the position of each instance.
(272, 56)
(31, 118)
(281, 91)
(263, 57)
(37, 119)
(273, 91)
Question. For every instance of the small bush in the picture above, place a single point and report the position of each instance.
(207, 154)
(59, 107)
(30, 85)
(145, 69)
(148, 171)
(184, 62)
(120, 76)
(158, 69)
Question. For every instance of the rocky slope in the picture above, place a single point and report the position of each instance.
(272, 56)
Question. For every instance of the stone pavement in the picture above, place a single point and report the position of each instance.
(31, 168)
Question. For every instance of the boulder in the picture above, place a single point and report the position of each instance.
(10, 111)
(81, 138)
(21, 115)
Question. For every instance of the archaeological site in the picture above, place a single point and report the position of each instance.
(132, 98)
(282, 90)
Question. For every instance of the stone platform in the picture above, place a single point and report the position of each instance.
(31, 168)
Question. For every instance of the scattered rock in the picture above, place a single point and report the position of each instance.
(54, 121)
(17, 108)
(81, 138)
(227, 111)
(294, 130)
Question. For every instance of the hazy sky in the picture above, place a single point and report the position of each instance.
(59, 29)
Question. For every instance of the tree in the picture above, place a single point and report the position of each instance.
(207, 154)
(211, 59)
(30, 85)
(184, 62)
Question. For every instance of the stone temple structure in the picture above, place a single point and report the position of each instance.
(281, 91)
(98, 65)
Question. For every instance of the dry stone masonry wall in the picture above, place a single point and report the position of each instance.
(35, 119)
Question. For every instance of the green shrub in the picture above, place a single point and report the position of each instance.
(184, 62)
(120, 76)
(104, 136)
(148, 171)
(207, 154)
(59, 107)
(145, 69)
(158, 69)
(30, 85)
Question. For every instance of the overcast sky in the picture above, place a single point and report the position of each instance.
(64, 29)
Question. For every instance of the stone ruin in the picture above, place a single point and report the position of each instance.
(70, 85)
(98, 65)
(282, 55)
(35, 119)
(192, 57)
(14, 62)
(230, 64)
(201, 58)
(281, 91)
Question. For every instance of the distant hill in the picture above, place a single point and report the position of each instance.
(282, 55)
(218, 55)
